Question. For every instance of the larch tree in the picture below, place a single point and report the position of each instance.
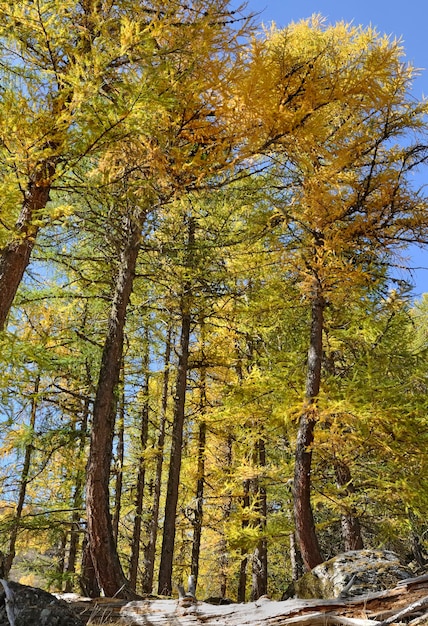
(61, 64)
(175, 142)
(346, 199)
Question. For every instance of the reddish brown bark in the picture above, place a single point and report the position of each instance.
(351, 528)
(100, 528)
(199, 510)
(168, 539)
(303, 515)
(141, 477)
(150, 548)
(15, 256)
(118, 464)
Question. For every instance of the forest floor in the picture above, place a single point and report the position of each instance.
(405, 604)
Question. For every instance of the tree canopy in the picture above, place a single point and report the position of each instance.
(210, 364)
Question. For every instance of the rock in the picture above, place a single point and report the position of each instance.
(218, 601)
(351, 574)
(33, 607)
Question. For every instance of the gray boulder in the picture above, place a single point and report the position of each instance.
(29, 606)
(353, 573)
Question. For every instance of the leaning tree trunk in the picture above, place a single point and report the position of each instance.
(15, 256)
(100, 528)
(303, 516)
(152, 530)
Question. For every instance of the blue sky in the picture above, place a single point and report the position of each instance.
(408, 21)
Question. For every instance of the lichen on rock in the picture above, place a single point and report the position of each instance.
(353, 573)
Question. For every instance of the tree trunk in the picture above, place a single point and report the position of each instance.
(77, 503)
(199, 511)
(260, 555)
(242, 581)
(88, 579)
(118, 466)
(15, 256)
(200, 482)
(227, 510)
(8, 561)
(303, 516)
(100, 528)
(351, 528)
(295, 559)
(168, 540)
(150, 548)
(144, 431)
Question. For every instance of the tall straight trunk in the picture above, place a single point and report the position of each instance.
(351, 528)
(77, 504)
(88, 579)
(200, 481)
(29, 448)
(295, 559)
(100, 528)
(260, 556)
(141, 476)
(118, 466)
(199, 510)
(168, 539)
(303, 515)
(15, 256)
(224, 559)
(242, 580)
(150, 548)
(61, 559)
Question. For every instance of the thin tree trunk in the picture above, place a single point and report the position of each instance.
(8, 561)
(77, 504)
(295, 559)
(144, 432)
(303, 516)
(199, 510)
(224, 559)
(168, 540)
(118, 469)
(260, 556)
(61, 560)
(200, 482)
(15, 256)
(100, 528)
(351, 528)
(88, 579)
(150, 548)
(242, 582)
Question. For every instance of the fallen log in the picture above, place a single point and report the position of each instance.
(383, 608)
